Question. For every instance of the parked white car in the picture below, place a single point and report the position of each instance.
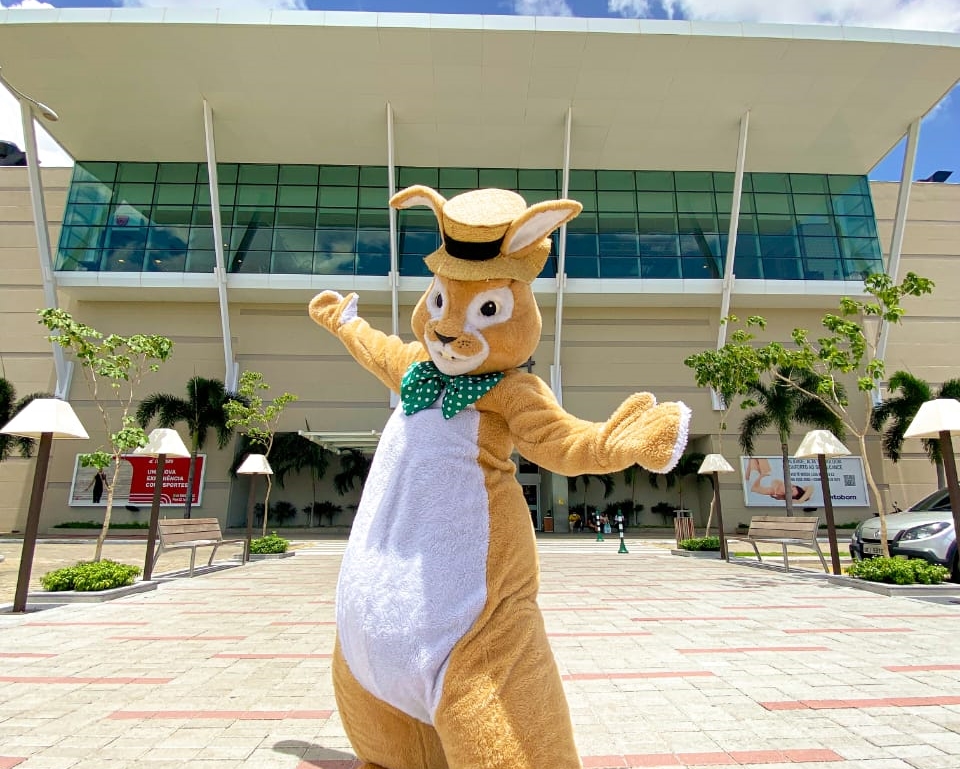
(924, 531)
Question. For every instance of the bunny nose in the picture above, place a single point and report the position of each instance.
(443, 339)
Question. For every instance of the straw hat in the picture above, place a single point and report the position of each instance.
(489, 233)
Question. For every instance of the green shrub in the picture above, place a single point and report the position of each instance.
(280, 512)
(88, 576)
(269, 544)
(898, 571)
(700, 543)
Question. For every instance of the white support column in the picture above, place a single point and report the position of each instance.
(64, 368)
(232, 375)
(556, 380)
(734, 228)
(394, 245)
(892, 266)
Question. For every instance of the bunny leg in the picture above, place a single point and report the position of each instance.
(503, 704)
(381, 735)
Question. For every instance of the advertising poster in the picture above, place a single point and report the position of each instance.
(763, 484)
(135, 482)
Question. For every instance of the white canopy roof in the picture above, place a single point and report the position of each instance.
(488, 91)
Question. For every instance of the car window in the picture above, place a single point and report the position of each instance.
(939, 500)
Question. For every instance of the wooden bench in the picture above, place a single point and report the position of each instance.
(782, 530)
(184, 533)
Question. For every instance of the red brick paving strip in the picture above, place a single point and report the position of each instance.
(859, 704)
(236, 715)
(747, 649)
(850, 630)
(599, 634)
(650, 674)
(919, 668)
(81, 680)
(17, 655)
(688, 619)
(232, 656)
(8, 762)
(731, 758)
(177, 638)
(79, 624)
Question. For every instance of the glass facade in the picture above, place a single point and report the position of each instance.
(333, 220)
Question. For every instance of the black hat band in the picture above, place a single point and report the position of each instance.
(471, 251)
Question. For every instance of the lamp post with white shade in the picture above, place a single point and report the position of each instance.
(162, 443)
(253, 465)
(822, 444)
(940, 419)
(713, 465)
(48, 419)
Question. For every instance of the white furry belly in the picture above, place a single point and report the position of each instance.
(413, 578)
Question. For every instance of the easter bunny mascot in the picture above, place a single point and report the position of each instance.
(441, 658)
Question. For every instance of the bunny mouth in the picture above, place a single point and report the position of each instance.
(449, 362)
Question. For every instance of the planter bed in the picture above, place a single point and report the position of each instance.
(943, 590)
(264, 556)
(708, 554)
(88, 596)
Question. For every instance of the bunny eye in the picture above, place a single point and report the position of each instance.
(438, 300)
(488, 309)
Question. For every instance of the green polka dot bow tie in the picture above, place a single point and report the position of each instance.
(423, 383)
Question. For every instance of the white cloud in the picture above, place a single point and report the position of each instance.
(939, 15)
(542, 8)
(293, 5)
(11, 129)
(27, 4)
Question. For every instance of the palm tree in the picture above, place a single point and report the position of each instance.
(688, 464)
(898, 411)
(354, 466)
(606, 479)
(202, 410)
(780, 407)
(9, 408)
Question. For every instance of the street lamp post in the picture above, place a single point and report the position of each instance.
(29, 110)
(713, 465)
(162, 443)
(822, 444)
(48, 419)
(940, 419)
(253, 465)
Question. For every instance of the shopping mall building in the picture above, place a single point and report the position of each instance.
(721, 167)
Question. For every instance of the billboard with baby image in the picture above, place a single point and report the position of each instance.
(763, 484)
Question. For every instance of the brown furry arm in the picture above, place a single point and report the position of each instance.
(386, 357)
(639, 432)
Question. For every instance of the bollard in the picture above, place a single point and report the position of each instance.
(623, 545)
(599, 525)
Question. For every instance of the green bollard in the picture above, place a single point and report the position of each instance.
(599, 526)
(623, 545)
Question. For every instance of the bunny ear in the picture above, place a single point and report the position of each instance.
(538, 221)
(419, 195)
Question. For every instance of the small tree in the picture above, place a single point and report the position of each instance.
(894, 415)
(781, 406)
(113, 367)
(256, 419)
(849, 349)
(202, 411)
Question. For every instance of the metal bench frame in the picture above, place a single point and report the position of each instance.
(784, 531)
(191, 533)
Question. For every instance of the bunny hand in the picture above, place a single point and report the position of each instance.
(646, 433)
(332, 310)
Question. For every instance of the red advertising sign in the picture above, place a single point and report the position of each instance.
(135, 482)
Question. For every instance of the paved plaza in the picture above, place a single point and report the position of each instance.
(667, 661)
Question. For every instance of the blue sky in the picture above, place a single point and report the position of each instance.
(940, 131)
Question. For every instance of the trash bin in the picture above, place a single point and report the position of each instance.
(683, 525)
(548, 523)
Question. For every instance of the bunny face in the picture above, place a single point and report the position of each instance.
(477, 327)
